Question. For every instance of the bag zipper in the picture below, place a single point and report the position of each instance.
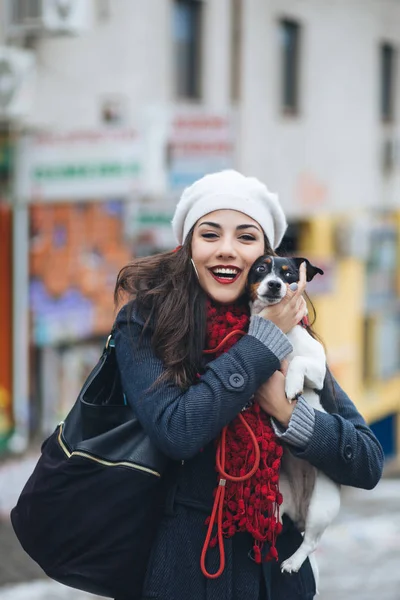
(106, 463)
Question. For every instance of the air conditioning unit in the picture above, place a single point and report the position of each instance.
(51, 17)
(17, 82)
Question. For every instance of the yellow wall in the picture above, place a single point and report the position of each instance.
(340, 325)
(340, 322)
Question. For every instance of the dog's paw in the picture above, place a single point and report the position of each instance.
(291, 565)
(294, 386)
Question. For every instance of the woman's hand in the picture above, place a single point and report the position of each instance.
(291, 309)
(272, 399)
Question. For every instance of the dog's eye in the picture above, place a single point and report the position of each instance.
(288, 274)
(261, 269)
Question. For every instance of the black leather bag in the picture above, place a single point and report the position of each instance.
(89, 512)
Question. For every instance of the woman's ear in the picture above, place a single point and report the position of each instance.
(312, 270)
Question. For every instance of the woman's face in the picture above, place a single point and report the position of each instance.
(225, 244)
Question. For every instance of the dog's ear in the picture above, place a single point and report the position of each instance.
(312, 271)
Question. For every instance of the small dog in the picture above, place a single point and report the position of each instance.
(310, 498)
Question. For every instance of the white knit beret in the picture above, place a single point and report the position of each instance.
(230, 190)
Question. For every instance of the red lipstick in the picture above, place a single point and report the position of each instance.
(225, 280)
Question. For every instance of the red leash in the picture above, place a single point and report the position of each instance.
(220, 495)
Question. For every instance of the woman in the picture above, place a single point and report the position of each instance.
(186, 384)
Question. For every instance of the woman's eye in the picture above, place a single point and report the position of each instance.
(261, 269)
(247, 237)
(209, 235)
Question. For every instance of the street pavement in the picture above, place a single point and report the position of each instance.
(358, 557)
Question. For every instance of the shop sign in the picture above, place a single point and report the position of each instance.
(200, 142)
(148, 226)
(79, 165)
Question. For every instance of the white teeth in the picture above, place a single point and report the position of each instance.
(225, 271)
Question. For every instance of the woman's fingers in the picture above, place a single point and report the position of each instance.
(301, 304)
(301, 286)
(284, 367)
(303, 279)
(301, 310)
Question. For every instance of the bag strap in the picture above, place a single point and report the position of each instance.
(110, 343)
(109, 347)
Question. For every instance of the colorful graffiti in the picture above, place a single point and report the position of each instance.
(76, 251)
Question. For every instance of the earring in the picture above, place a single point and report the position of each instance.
(194, 267)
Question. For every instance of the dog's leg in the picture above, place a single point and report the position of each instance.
(307, 363)
(323, 508)
(304, 371)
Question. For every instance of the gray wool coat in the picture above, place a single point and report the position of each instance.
(185, 424)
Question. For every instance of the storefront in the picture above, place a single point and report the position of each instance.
(76, 251)
(92, 202)
(77, 189)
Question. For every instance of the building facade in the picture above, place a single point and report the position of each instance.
(128, 102)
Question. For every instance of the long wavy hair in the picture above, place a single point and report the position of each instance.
(169, 296)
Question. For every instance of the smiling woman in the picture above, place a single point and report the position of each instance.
(194, 378)
(225, 244)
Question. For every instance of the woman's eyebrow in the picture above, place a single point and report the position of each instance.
(239, 227)
(211, 224)
(248, 226)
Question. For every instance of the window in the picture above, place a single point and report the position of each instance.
(382, 315)
(381, 268)
(290, 40)
(236, 49)
(387, 66)
(381, 348)
(23, 10)
(187, 18)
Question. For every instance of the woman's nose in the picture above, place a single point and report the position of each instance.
(226, 248)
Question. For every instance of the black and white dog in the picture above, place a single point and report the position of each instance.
(310, 498)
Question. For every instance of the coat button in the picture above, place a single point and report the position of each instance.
(348, 452)
(236, 380)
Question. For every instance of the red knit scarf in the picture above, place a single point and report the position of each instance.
(251, 505)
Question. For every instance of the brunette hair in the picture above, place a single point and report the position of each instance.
(168, 296)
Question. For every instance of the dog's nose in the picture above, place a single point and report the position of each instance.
(274, 286)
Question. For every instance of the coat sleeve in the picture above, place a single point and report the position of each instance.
(342, 445)
(180, 422)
